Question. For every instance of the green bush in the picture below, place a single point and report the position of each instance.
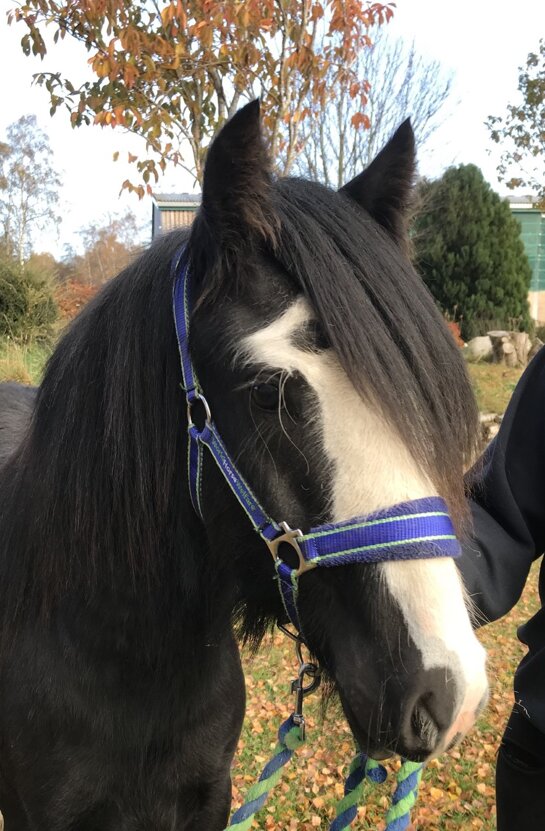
(27, 305)
(470, 253)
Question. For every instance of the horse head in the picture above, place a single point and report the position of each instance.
(338, 392)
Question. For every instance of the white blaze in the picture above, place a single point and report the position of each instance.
(372, 470)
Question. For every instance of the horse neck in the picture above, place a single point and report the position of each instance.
(96, 514)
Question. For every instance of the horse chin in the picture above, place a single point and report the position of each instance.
(372, 746)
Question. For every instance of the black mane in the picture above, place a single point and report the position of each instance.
(384, 326)
(98, 486)
(104, 458)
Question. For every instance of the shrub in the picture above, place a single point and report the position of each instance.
(470, 253)
(27, 304)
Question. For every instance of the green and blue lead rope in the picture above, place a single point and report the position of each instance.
(289, 739)
(404, 798)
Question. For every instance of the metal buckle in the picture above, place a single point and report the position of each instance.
(290, 536)
(207, 410)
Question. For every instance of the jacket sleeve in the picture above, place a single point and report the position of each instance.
(507, 499)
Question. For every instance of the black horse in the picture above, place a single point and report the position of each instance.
(338, 390)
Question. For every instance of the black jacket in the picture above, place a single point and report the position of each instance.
(508, 508)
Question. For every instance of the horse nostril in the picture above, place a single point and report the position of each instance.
(427, 718)
(423, 726)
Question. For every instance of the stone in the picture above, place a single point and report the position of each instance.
(478, 349)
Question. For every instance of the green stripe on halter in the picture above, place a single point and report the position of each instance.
(369, 523)
(391, 544)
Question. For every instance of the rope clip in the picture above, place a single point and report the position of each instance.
(300, 689)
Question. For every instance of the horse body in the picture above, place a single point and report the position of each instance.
(16, 404)
(111, 719)
(122, 695)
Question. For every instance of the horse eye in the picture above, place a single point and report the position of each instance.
(266, 396)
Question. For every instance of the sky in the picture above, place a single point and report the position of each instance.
(482, 42)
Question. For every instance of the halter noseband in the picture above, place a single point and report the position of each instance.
(418, 529)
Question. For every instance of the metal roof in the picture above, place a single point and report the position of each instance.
(527, 199)
(177, 198)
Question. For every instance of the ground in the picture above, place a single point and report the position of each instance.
(493, 385)
(457, 791)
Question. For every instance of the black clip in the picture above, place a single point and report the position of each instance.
(301, 691)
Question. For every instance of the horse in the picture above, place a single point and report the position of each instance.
(337, 390)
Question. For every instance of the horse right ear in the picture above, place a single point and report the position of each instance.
(384, 189)
(237, 183)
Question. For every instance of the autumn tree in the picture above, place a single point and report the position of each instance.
(172, 71)
(470, 253)
(29, 187)
(521, 131)
(400, 83)
(108, 247)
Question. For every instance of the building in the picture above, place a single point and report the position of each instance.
(532, 221)
(173, 210)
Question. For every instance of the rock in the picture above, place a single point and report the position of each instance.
(478, 349)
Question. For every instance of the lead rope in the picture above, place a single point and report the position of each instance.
(291, 736)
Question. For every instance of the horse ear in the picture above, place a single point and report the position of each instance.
(237, 181)
(384, 188)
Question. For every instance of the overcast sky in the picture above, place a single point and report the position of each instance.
(483, 42)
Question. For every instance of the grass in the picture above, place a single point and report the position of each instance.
(493, 385)
(457, 791)
(23, 363)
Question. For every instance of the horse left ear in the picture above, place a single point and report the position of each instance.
(384, 188)
(237, 182)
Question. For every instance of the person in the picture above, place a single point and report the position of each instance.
(507, 499)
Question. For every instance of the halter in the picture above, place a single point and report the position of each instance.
(418, 529)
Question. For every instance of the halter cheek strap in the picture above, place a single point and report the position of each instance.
(418, 529)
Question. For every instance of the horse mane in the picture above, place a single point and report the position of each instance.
(98, 488)
(377, 315)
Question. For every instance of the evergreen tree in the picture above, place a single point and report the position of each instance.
(470, 253)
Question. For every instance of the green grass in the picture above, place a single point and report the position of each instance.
(493, 385)
(23, 363)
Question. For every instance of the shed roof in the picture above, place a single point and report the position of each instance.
(177, 199)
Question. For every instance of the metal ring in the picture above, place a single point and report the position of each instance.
(290, 536)
(207, 410)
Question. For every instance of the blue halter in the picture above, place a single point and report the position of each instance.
(421, 528)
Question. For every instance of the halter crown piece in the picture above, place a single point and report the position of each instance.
(421, 528)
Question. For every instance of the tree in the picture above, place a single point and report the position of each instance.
(29, 186)
(108, 248)
(521, 132)
(470, 254)
(399, 83)
(172, 71)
